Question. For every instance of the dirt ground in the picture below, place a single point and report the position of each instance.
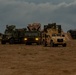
(21, 59)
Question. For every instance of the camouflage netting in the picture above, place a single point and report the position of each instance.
(34, 27)
(9, 29)
(53, 26)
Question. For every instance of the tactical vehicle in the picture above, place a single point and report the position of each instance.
(13, 35)
(53, 35)
(33, 34)
(72, 33)
(32, 37)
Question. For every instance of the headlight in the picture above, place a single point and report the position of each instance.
(25, 38)
(36, 38)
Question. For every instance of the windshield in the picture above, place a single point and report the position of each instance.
(53, 34)
(58, 34)
(31, 34)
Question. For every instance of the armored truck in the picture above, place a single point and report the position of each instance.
(13, 35)
(72, 33)
(33, 34)
(53, 35)
(32, 37)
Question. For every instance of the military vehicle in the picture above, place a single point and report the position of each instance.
(1, 36)
(13, 35)
(33, 34)
(53, 35)
(72, 33)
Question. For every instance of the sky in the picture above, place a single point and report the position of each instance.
(23, 12)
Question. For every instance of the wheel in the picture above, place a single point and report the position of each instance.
(3, 42)
(11, 41)
(26, 43)
(44, 43)
(52, 44)
(38, 43)
(29, 43)
(55, 45)
(64, 45)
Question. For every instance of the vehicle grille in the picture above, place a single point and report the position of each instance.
(31, 39)
(59, 40)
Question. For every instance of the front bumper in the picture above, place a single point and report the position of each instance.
(32, 40)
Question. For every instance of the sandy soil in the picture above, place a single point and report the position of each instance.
(23, 59)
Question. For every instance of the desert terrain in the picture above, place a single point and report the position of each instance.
(21, 59)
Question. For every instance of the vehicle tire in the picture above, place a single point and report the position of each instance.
(26, 43)
(55, 45)
(52, 44)
(45, 44)
(11, 41)
(3, 42)
(38, 43)
(64, 45)
(30, 43)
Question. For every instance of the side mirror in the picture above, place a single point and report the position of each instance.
(63, 35)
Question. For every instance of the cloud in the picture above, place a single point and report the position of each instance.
(21, 13)
(44, 1)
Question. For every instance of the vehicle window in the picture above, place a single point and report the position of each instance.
(31, 34)
(53, 34)
(58, 34)
(47, 35)
(63, 35)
